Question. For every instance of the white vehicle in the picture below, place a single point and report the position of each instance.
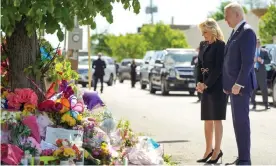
(83, 67)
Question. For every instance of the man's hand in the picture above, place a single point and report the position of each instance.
(236, 89)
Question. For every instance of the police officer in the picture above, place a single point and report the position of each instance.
(99, 66)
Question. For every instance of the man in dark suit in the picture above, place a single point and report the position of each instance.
(99, 66)
(261, 59)
(239, 78)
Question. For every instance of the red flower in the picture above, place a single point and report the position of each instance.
(59, 142)
(46, 105)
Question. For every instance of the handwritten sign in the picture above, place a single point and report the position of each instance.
(74, 136)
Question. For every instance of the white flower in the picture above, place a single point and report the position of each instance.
(4, 115)
(65, 143)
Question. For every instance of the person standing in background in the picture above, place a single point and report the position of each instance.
(195, 63)
(133, 73)
(116, 71)
(99, 66)
(261, 59)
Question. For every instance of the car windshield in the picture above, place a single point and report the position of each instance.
(85, 61)
(179, 57)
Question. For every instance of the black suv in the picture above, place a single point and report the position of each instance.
(172, 71)
(271, 71)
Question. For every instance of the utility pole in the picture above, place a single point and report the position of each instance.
(151, 9)
(151, 12)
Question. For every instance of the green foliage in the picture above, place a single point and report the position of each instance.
(168, 160)
(99, 44)
(127, 46)
(161, 36)
(51, 14)
(219, 14)
(152, 37)
(267, 25)
(61, 70)
(56, 68)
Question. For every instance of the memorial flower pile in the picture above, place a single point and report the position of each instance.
(89, 130)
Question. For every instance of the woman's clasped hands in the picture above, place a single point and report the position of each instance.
(200, 87)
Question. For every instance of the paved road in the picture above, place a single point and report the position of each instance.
(175, 120)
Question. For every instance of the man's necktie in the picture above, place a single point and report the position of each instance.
(232, 33)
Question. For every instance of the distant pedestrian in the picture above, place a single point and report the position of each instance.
(261, 59)
(133, 73)
(116, 71)
(99, 66)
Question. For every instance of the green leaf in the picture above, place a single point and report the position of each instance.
(60, 35)
(16, 3)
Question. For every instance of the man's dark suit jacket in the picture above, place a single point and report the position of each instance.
(99, 66)
(239, 60)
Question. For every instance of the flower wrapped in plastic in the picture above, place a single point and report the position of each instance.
(92, 100)
(19, 97)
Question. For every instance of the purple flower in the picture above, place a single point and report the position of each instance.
(96, 153)
(63, 86)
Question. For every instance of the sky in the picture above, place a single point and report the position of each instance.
(185, 12)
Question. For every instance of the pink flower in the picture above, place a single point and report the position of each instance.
(13, 101)
(27, 95)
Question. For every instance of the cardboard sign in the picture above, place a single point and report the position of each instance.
(74, 136)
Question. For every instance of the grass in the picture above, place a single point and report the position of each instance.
(168, 160)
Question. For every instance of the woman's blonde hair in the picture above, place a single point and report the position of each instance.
(211, 25)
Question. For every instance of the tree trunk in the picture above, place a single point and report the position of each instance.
(22, 53)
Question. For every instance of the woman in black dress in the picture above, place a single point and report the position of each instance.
(214, 100)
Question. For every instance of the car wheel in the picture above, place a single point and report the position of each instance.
(164, 87)
(110, 81)
(274, 92)
(84, 85)
(143, 86)
(151, 89)
(192, 93)
(121, 80)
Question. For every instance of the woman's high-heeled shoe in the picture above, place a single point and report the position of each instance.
(206, 158)
(216, 160)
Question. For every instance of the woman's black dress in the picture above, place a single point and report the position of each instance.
(210, 64)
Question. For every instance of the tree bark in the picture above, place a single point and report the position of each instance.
(22, 53)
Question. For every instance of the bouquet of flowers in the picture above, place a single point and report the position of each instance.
(127, 135)
(102, 153)
(65, 150)
(21, 98)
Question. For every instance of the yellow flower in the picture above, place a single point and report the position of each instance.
(79, 117)
(72, 122)
(69, 152)
(4, 94)
(29, 107)
(57, 152)
(86, 154)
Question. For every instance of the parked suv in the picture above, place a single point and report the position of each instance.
(110, 70)
(124, 69)
(172, 71)
(271, 71)
(146, 66)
